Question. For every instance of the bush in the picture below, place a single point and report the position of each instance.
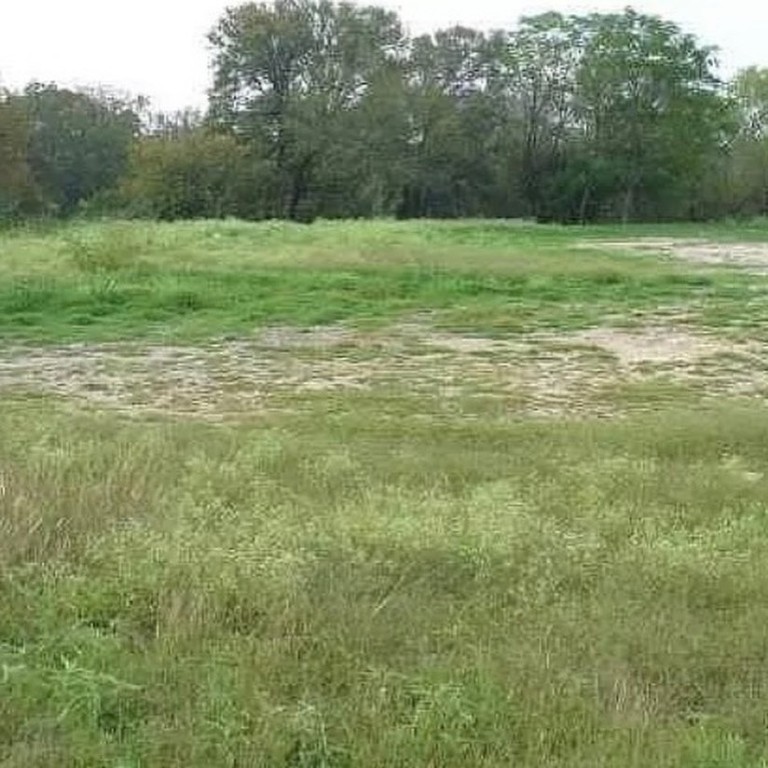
(110, 248)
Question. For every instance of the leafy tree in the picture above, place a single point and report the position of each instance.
(748, 168)
(285, 76)
(750, 88)
(172, 124)
(78, 142)
(18, 194)
(567, 117)
(192, 175)
(451, 125)
(535, 77)
(649, 103)
(328, 109)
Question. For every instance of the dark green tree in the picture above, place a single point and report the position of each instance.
(286, 77)
(192, 175)
(78, 143)
(449, 131)
(650, 110)
(18, 193)
(746, 178)
(534, 78)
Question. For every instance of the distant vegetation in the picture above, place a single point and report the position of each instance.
(332, 110)
(189, 282)
(370, 494)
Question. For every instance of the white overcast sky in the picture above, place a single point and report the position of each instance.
(157, 48)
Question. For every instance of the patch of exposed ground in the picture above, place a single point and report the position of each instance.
(710, 365)
(751, 257)
(544, 374)
(651, 345)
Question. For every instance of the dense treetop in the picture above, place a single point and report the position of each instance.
(331, 109)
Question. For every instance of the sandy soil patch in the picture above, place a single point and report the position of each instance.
(651, 345)
(751, 257)
(544, 374)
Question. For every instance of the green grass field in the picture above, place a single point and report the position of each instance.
(382, 494)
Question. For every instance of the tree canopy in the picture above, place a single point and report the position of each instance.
(328, 109)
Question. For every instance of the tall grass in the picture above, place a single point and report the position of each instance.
(193, 281)
(342, 592)
(372, 579)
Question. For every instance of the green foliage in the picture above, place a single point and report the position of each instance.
(79, 142)
(18, 193)
(332, 589)
(744, 181)
(596, 116)
(321, 109)
(650, 103)
(287, 74)
(382, 575)
(195, 175)
(119, 280)
(106, 248)
(534, 75)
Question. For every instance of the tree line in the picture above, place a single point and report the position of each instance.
(323, 109)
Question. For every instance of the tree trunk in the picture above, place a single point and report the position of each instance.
(628, 205)
(583, 205)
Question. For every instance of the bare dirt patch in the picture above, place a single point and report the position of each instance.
(710, 365)
(315, 337)
(542, 374)
(751, 257)
(651, 345)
